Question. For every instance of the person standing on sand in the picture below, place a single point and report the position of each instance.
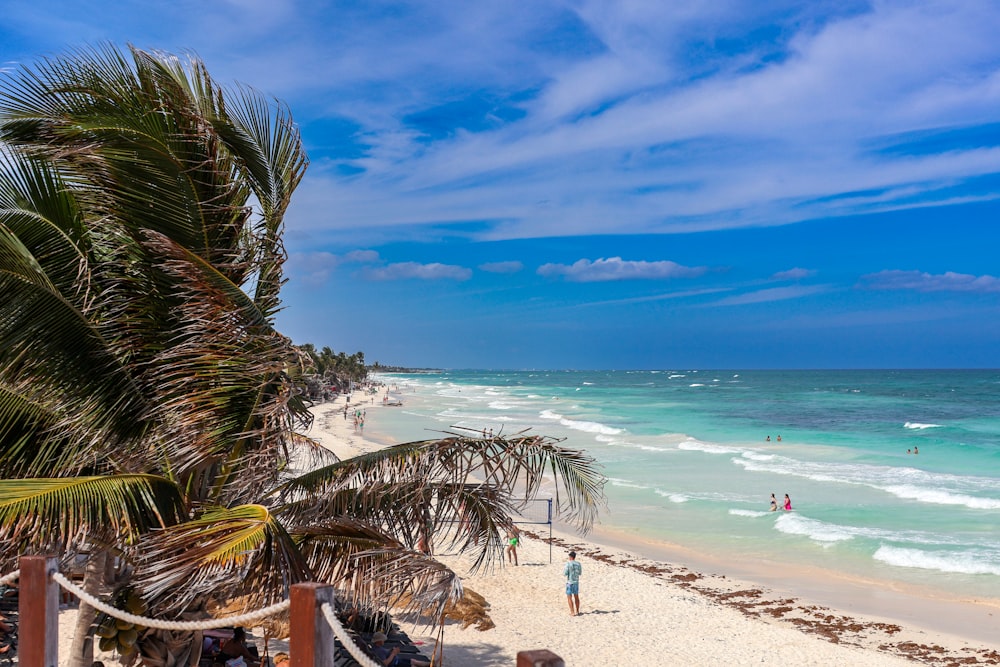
(513, 539)
(572, 571)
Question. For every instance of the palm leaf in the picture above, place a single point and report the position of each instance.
(38, 514)
(374, 570)
(516, 466)
(224, 551)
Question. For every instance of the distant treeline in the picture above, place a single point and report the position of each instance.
(326, 369)
(380, 368)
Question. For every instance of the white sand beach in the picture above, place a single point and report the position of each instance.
(636, 610)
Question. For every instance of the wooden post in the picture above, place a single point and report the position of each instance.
(311, 640)
(539, 658)
(38, 613)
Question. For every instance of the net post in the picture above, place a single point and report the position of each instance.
(311, 640)
(38, 612)
(550, 530)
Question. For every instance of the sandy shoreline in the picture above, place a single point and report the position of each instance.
(678, 614)
(638, 609)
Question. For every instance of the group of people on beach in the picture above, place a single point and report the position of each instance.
(774, 503)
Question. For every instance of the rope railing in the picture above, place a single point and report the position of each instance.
(345, 639)
(207, 624)
(38, 569)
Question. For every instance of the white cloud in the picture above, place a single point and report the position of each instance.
(651, 143)
(502, 267)
(362, 256)
(926, 282)
(408, 270)
(679, 117)
(793, 274)
(314, 268)
(615, 268)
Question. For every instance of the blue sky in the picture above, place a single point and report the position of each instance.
(616, 184)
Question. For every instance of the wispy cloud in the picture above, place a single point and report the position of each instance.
(314, 268)
(622, 117)
(501, 267)
(627, 134)
(926, 282)
(414, 270)
(772, 294)
(615, 268)
(793, 274)
(362, 256)
(655, 297)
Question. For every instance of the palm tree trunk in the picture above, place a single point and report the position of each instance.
(81, 653)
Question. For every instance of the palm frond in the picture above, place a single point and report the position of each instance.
(375, 571)
(418, 513)
(242, 550)
(28, 450)
(38, 514)
(516, 466)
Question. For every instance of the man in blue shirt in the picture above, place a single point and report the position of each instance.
(572, 571)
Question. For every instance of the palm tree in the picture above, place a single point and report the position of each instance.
(148, 406)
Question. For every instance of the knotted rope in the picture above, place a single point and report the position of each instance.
(248, 619)
(345, 639)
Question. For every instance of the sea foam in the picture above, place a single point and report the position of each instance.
(941, 497)
(698, 446)
(961, 562)
(918, 426)
(793, 523)
(673, 496)
(579, 424)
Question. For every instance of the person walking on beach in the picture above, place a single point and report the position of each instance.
(572, 571)
(788, 503)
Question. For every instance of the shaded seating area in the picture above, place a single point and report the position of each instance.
(366, 629)
(212, 647)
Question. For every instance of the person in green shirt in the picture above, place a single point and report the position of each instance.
(572, 571)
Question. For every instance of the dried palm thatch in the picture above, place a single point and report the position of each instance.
(471, 609)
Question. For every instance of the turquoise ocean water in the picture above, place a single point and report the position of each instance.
(688, 462)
